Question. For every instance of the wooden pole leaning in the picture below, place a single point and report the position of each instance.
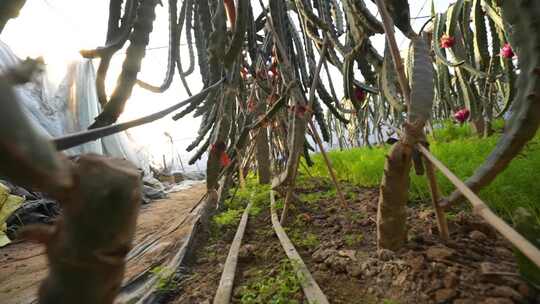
(328, 164)
(480, 208)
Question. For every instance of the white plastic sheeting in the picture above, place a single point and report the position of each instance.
(70, 107)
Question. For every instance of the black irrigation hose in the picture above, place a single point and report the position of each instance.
(75, 139)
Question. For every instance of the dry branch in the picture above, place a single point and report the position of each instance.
(328, 164)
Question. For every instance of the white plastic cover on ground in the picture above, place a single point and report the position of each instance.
(70, 107)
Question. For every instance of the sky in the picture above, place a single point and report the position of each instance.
(58, 29)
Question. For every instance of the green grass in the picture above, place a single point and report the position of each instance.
(239, 198)
(353, 239)
(277, 289)
(462, 153)
(165, 278)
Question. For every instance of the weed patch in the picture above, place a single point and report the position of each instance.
(281, 288)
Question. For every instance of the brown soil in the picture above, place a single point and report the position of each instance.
(339, 247)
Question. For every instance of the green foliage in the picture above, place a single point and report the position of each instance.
(526, 225)
(352, 240)
(229, 218)
(448, 131)
(314, 197)
(165, 278)
(361, 166)
(302, 239)
(239, 198)
(278, 289)
(461, 153)
(355, 216)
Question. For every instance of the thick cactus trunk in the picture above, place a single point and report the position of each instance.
(394, 193)
(263, 157)
(87, 247)
(394, 190)
(100, 198)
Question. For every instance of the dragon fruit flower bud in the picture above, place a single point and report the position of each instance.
(447, 41)
(462, 115)
(507, 51)
(359, 94)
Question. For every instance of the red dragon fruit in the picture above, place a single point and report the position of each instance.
(447, 41)
(462, 115)
(507, 51)
(359, 94)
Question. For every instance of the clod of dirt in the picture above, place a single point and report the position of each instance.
(478, 236)
(445, 295)
(247, 253)
(385, 254)
(450, 280)
(506, 292)
(497, 301)
(321, 255)
(337, 263)
(439, 253)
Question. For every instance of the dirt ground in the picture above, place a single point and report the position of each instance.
(160, 228)
(339, 247)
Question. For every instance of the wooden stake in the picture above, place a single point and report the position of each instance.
(328, 164)
(435, 197)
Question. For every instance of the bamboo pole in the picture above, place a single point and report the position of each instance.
(480, 208)
(435, 197)
(328, 164)
(313, 292)
(224, 291)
